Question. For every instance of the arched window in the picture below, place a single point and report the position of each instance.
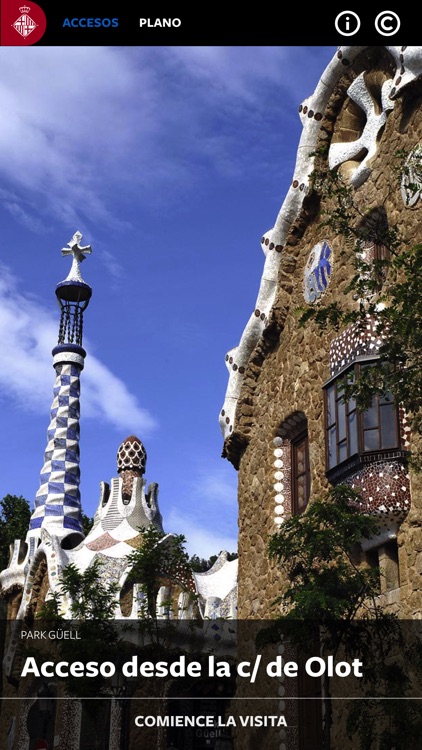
(301, 479)
(291, 467)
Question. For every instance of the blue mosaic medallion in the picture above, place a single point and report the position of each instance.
(317, 272)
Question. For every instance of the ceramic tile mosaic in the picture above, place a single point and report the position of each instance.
(385, 490)
(58, 502)
(317, 272)
(354, 342)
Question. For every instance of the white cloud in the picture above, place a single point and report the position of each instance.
(71, 125)
(242, 73)
(217, 485)
(107, 396)
(94, 125)
(27, 331)
(234, 71)
(202, 539)
(209, 506)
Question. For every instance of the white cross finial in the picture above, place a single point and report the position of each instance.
(79, 254)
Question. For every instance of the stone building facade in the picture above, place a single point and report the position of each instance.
(286, 428)
(284, 378)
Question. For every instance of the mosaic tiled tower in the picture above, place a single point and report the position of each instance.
(57, 502)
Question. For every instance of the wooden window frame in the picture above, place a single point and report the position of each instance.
(355, 447)
(296, 475)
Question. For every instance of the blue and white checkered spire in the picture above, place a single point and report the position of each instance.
(58, 502)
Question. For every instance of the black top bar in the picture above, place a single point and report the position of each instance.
(151, 24)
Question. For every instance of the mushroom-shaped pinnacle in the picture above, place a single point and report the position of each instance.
(131, 455)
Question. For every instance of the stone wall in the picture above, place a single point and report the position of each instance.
(290, 364)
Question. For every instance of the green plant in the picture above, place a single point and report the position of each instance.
(91, 602)
(330, 597)
(157, 557)
(15, 515)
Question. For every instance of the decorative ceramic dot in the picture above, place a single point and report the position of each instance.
(317, 272)
(278, 441)
(278, 463)
(279, 509)
(278, 519)
(279, 498)
(278, 452)
(278, 475)
(278, 487)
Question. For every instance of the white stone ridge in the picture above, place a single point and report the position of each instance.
(312, 110)
(81, 557)
(217, 583)
(14, 574)
(341, 152)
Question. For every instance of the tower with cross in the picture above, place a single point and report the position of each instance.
(57, 502)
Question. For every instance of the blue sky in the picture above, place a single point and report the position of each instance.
(172, 162)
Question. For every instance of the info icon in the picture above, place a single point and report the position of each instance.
(347, 23)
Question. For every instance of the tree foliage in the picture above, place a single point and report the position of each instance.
(317, 549)
(15, 515)
(157, 557)
(92, 596)
(329, 594)
(87, 523)
(92, 603)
